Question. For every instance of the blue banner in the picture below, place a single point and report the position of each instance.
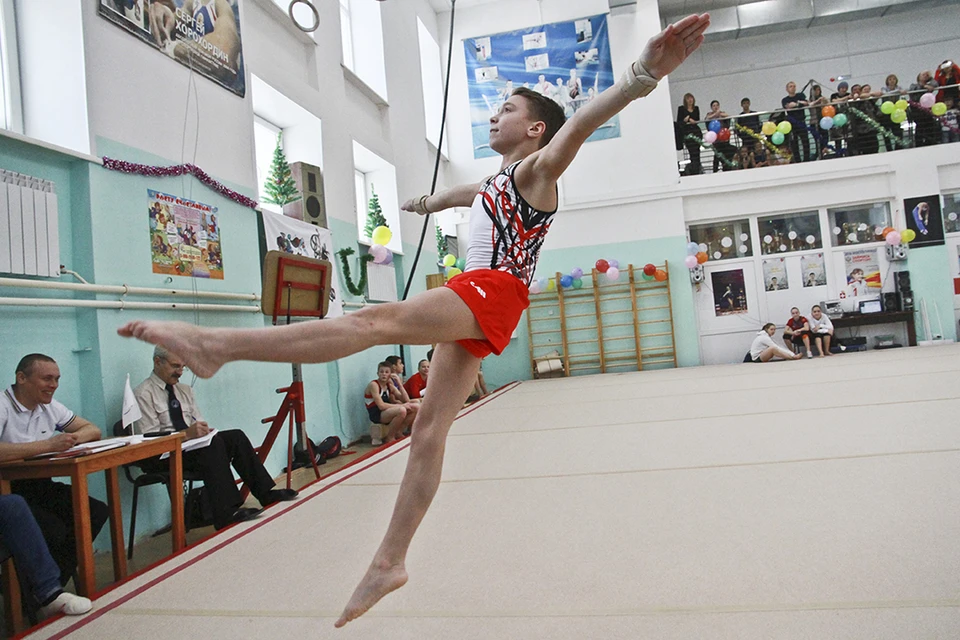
(566, 61)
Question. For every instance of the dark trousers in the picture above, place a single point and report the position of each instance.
(799, 138)
(52, 506)
(23, 539)
(213, 463)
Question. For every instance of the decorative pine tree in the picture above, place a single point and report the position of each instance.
(441, 243)
(374, 214)
(279, 185)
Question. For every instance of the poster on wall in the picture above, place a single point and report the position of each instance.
(201, 34)
(282, 233)
(775, 275)
(925, 218)
(566, 61)
(729, 292)
(862, 269)
(813, 270)
(184, 237)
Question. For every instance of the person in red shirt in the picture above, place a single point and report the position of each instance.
(798, 331)
(416, 383)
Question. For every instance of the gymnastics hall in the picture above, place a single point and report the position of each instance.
(624, 468)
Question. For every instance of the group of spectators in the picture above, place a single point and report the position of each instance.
(798, 332)
(862, 109)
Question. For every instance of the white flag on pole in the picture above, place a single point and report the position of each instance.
(131, 410)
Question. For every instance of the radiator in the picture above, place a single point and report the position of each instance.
(29, 236)
(381, 282)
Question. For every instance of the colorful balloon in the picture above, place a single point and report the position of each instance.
(898, 116)
(461, 263)
(893, 238)
(453, 272)
(382, 235)
(566, 281)
(612, 273)
(534, 287)
(828, 111)
(614, 263)
(710, 137)
(693, 248)
(939, 109)
(714, 126)
(927, 100)
(645, 276)
(551, 284)
(840, 119)
(785, 127)
(826, 122)
(388, 259)
(902, 104)
(907, 236)
(777, 138)
(769, 128)
(887, 108)
(660, 275)
(602, 265)
(649, 269)
(691, 262)
(723, 135)
(379, 252)
(449, 260)
(702, 257)
(576, 272)
(886, 231)
(577, 283)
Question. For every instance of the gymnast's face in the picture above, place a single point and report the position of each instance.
(509, 126)
(383, 374)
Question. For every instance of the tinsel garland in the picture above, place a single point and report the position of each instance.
(780, 151)
(875, 125)
(707, 145)
(360, 286)
(178, 170)
(942, 119)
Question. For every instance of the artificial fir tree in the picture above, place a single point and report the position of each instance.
(441, 243)
(280, 187)
(374, 214)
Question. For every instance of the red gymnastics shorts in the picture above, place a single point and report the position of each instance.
(497, 300)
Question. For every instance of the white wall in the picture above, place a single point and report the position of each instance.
(865, 51)
(52, 73)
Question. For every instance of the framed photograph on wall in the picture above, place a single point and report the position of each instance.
(925, 217)
(813, 270)
(775, 275)
(729, 292)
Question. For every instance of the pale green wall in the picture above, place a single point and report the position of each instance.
(930, 271)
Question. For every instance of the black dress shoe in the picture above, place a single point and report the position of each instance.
(279, 495)
(242, 515)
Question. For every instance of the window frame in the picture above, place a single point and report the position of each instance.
(11, 100)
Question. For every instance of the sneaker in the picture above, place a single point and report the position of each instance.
(68, 604)
(376, 443)
(809, 354)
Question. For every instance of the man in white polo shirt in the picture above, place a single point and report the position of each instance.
(31, 423)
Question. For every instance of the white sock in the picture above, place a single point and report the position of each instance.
(66, 603)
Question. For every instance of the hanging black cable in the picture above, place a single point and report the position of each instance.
(436, 164)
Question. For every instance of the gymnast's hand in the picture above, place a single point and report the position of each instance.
(667, 50)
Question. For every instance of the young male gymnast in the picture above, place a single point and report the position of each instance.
(471, 317)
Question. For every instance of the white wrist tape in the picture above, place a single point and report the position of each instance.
(636, 81)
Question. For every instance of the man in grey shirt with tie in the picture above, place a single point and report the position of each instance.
(166, 404)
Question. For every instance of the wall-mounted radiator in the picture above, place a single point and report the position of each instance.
(381, 282)
(29, 237)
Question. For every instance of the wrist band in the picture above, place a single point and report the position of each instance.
(636, 81)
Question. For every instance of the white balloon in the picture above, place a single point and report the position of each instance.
(727, 242)
(811, 240)
(792, 235)
(767, 239)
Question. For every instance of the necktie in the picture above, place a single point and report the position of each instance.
(176, 411)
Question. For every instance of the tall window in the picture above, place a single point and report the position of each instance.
(11, 106)
(374, 175)
(431, 77)
(790, 232)
(265, 141)
(859, 224)
(346, 33)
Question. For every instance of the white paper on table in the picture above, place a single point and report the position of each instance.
(95, 446)
(196, 443)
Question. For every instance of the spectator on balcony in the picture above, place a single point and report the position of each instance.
(948, 74)
(797, 117)
(927, 127)
(748, 121)
(744, 158)
(891, 93)
(817, 102)
(688, 117)
(948, 124)
(760, 155)
(840, 135)
(864, 131)
(721, 147)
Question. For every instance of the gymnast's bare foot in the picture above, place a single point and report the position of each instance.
(192, 343)
(380, 580)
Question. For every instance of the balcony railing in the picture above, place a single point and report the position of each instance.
(829, 130)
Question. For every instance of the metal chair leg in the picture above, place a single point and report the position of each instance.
(133, 520)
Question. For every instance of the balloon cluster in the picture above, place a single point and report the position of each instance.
(696, 255)
(776, 132)
(381, 236)
(928, 103)
(831, 118)
(896, 110)
(894, 237)
(454, 266)
(762, 138)
(609, 268)
(650, 272)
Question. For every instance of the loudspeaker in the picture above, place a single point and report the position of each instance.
(906, 300)
(696, 274)
(310, 208)
(891, 301)
(902, 281)
(896, 252)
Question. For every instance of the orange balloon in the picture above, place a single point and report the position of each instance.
(701, 257)
(828, 111)
(660, 275)
(887, 230)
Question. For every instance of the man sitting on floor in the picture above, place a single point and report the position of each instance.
(167, 404)
(31, 423)
(416, 383)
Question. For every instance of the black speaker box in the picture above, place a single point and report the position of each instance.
(906, 301)
(891, 301)
(902, 281)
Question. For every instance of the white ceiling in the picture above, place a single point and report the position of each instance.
(667, 7)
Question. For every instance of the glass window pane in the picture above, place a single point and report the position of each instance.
(723, 240)
(346, 33)
(265, 143)
(790, 232)
(951, 212)
(858, 224)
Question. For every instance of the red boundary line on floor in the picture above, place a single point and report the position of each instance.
(259, 523)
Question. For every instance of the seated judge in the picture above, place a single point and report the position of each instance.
(31, 423)
(167, 404)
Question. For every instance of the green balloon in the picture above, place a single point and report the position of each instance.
(777, 138)
(839, 120)
(939, 109)
(461, 263)
(645, 276)
(898, 116)
(577, 283)
(784, 127)
(902, 104)
(449, 260)
(887, 108)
